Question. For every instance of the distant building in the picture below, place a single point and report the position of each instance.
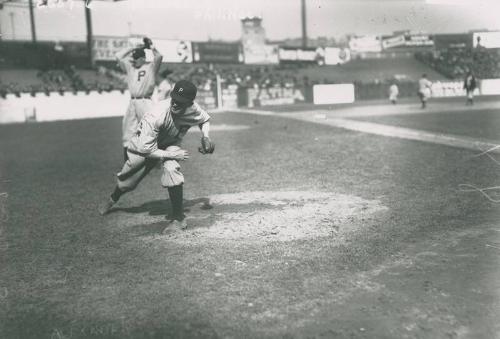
(252, 32)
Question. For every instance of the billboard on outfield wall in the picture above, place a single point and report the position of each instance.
(336, 56)
(104, 48)
(394, 41)
(445, 41)
(274, 96)
(307, 55)
(217, 52)
(419, 40)
(449, 89)
(486, 39)
(368, 43)
(260, 54)
(333, 94)
(490, 86)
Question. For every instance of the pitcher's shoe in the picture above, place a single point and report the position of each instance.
(106, 206)
(175, 226)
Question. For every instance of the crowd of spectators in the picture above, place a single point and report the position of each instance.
(204, 76)
(454, 63)
(64, 80)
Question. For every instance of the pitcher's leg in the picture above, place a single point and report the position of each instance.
(173, 180)
(129, 127)
(131, 174)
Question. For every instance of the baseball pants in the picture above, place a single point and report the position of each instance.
(137, 167)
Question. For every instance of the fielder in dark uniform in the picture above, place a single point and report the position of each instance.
(158, 138)
(470, 86)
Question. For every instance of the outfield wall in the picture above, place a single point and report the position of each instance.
(81, 105)
(69, 106)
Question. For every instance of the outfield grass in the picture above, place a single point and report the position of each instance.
(479, 124)
(68, 273)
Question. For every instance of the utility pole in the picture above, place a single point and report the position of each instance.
(88, 20)
(304, 24)
(32, 21)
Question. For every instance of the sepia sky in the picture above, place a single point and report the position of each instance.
(219, 19)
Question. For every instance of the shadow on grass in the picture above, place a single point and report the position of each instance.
(163, 207)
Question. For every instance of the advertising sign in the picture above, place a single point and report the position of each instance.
(217, 52)
(291, 54)
(394, 41)
(486, 39)
(261, 54)
(105, 48)
(365, 44)
(333, 94)
(175, 50)
(274, 96)
(337, 56)
(445, 41)
(490, 86)
(418, 40)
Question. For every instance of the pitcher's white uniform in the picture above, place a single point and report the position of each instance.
(159, 129)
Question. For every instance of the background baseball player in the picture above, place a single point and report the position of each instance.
(158, 138)
(393, 93)
(470, 86)
(424, 89)
(141, 80)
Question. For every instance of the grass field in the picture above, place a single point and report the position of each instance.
(316, 232)
(480, 124)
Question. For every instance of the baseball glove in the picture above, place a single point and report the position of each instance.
(207, 146)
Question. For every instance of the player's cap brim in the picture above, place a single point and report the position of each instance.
(178, 98)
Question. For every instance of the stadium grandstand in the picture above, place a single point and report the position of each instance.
(251, 63)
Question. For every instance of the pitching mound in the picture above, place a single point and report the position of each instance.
(276, 216)
(222, 128)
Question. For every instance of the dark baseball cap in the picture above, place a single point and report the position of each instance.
(138, 53)
(184, 91)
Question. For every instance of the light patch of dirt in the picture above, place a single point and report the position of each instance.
(276, 216)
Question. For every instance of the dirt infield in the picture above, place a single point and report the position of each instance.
(276, 216)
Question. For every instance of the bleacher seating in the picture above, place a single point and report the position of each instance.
(454, 63)
(107, 76)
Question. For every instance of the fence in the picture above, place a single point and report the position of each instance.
(66, 106)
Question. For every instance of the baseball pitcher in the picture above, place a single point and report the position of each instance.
(158, 138)
(141, 76)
